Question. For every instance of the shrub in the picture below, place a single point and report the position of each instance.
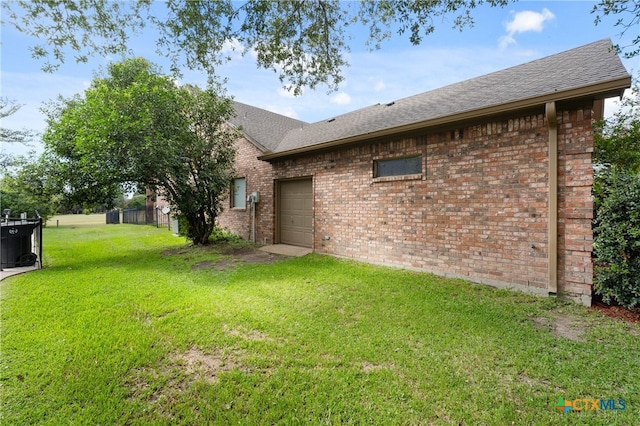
(617, 240)
(220, 235)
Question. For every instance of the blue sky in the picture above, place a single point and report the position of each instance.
(501, 37)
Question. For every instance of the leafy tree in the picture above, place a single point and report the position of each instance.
(25, 188)
(305, 42)
(616, 191)
(24, 136)
(135, 126)
(137, 201)
(617, 139)
(627, 13)
(617, 241)
(617, 144)
(9, 107)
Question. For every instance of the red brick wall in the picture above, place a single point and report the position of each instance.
(478, 212)
(258, 176)
(575, 206)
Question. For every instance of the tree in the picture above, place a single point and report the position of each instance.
(24, 136)
(617, 139)
(9, 107)
(616, 191)
(305, 42)
(628, 18)
(25, 188)
(136, 127)
(617, 145)
(617, 240)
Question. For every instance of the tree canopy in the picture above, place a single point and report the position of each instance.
(24, 136)
(617, 139)
(135, 126)
(616, 196)
(305, 42)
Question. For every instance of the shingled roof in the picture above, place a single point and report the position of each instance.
(590, 71)
(263, 128)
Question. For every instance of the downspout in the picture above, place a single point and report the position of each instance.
(552, 273)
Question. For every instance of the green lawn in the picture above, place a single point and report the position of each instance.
(121, 328)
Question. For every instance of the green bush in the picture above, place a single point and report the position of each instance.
(220, 235)
(617, 239)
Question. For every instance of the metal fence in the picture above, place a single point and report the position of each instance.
(21, 242)
(145, 216)
(113, 217)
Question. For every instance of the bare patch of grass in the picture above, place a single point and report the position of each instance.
(561, 325)
(246, 333)
(204, 366)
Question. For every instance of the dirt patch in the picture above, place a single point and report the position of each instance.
(159, 385)
(369, 367)
(538, 383)
(561, 325)
(203, 265)
(200, 365)
(234, 255)
(619, 312)
(235, 250)
(246, 256)
(246, 333)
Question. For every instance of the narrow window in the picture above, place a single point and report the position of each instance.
(397, 166)
(239, 193)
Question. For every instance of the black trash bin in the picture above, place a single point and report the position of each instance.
(15, 243)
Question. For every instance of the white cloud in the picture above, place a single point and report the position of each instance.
(525, 21)
(341, 99)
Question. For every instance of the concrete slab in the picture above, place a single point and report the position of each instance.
(287, 250)
(5, 273)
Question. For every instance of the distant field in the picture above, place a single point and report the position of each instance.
(75, 220)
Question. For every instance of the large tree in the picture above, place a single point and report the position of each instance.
(9, 107)
(25, 187)
(617, 138)
(136, 126)
(616, 191)
(305, 41)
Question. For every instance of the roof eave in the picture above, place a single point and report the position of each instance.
(598, 91)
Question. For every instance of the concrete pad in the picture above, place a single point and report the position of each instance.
(5, 273)
(287, 250)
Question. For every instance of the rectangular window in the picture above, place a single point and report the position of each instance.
(397, 167)
(239, 193)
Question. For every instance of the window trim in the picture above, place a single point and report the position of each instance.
(408, 176)
(232, 195)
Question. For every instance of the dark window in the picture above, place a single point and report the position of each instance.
(397, 167)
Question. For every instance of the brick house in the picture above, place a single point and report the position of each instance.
(488, 179)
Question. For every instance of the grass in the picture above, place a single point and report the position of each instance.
(119, 328)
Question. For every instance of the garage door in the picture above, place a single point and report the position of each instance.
(296, 213)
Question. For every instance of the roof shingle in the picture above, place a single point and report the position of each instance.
(558, 74)
(592, 70)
